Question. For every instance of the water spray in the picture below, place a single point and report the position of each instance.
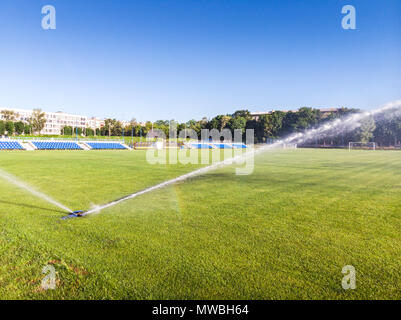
(10, 178)
(332, 128)
(160, 185)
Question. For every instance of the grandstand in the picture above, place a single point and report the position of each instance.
(199, 146)
(10, 145)
(239, 145)
(204, 145)
(106, 145)
(56, 145)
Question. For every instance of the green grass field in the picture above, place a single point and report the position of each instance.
(284, 232)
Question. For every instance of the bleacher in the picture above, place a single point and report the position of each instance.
(222, 146)
(217, 145)
(10, 145)
(200, 146)
(106, 146)
(239, 145)
(56, 145)
(112, 145)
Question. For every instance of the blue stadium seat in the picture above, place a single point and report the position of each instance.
(10, 145)
(223, 146)
(201, 146)
(106, 146)
(239, 146)
(50, 145)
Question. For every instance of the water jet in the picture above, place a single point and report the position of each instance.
(332, 128)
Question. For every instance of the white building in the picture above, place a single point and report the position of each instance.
(94, 123)
(55, 121)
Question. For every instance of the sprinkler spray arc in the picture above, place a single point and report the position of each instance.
(329, 129)
(22, 185)
(332, 128)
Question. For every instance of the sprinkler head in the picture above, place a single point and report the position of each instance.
(75, 214)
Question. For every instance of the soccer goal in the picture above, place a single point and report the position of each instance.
(362, 146)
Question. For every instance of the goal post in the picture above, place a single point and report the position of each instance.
(362, 146)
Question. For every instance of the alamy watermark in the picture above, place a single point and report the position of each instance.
(348, 22)
(349, 280)
(213, 147)
(49, 20)
(49, 281)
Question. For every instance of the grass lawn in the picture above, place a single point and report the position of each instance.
(284, 232)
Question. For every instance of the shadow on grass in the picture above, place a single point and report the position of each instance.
(30, 206)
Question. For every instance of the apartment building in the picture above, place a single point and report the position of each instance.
(55, 121)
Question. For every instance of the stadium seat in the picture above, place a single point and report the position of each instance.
(106, 146)
(10, 145)
(50, 145)
(201, 146)
(239, 145)
(223, 146)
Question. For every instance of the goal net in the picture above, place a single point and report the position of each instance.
(362, 146)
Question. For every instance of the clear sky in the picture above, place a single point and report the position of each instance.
(185, 59)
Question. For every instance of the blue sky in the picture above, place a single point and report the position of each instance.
(186, 59)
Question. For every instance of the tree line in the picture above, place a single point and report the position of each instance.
(11, 126)
(279, 124)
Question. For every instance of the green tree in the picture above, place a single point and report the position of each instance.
(365, 131)
(137, 129)
(37, 120)
(306, 118)
(103, 131)
(272, 124)
(67, 131)
(237, 123)
(117, 128)
(10, 128)
(27, 129)
(19, 127)
(9, 115)
(112, 127)
(196, 126)
(219, 122)
(2, 127)
(242, 113)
